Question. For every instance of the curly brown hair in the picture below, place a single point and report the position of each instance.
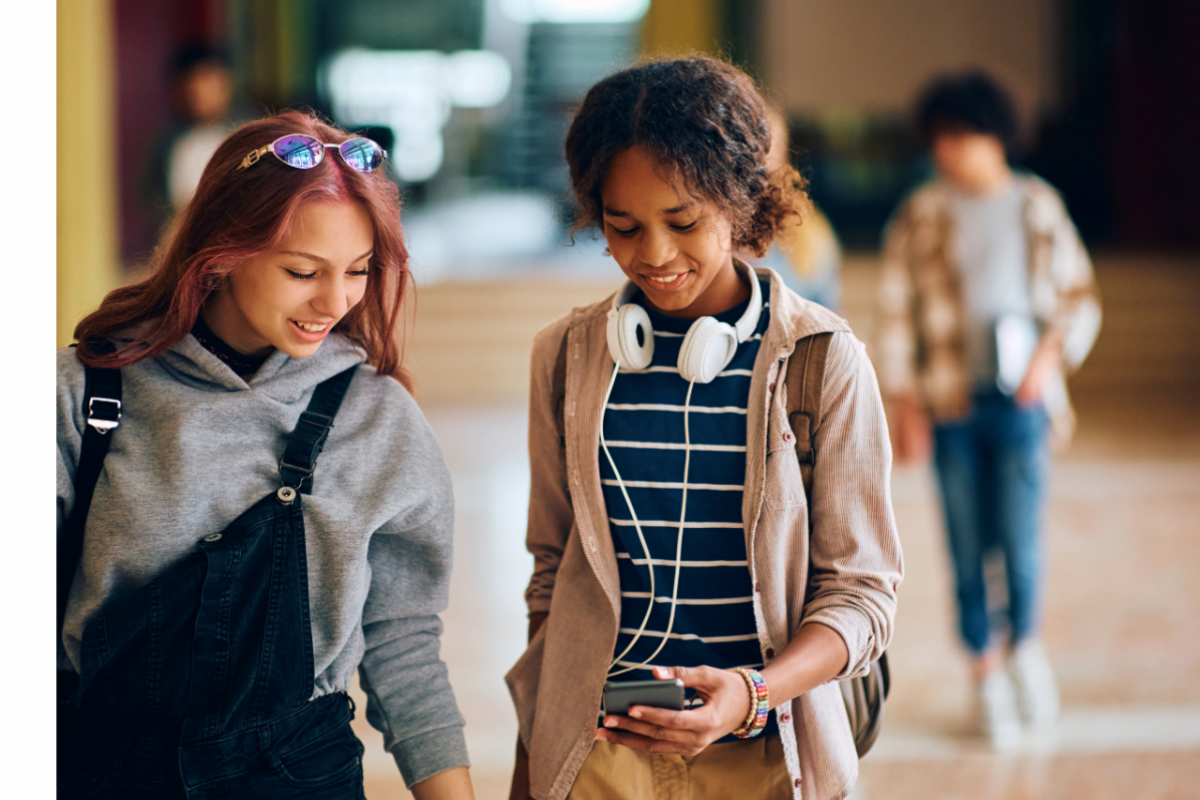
(706, 124)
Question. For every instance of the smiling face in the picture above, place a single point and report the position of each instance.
(677, 249)
(291, 297)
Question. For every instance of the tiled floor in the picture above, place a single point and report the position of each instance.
(1123, 545)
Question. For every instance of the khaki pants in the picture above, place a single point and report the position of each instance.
(753, 769)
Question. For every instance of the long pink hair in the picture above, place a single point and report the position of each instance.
(238, 214)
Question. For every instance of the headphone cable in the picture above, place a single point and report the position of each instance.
(687, 458)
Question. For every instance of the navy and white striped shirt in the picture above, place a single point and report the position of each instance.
(644, 428)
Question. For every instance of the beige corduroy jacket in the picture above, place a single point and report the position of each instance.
(836, 562)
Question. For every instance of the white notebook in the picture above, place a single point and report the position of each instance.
(1016, 339)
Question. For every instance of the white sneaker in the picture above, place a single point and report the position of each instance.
(996, 711)
(1037, 691)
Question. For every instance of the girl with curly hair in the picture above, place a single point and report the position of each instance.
(687, 531)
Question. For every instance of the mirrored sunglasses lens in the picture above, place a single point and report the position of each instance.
(301, 152)
(362, 154)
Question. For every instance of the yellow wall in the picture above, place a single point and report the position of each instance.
(87, 188)
(672, 27)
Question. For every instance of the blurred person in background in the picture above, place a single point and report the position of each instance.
(987, 299)
(229, 585)
(807, 256)
(200, 121)
(632, 497)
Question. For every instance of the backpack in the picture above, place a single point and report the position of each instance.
(864, 695)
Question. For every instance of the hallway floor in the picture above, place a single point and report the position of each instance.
(1120, 614)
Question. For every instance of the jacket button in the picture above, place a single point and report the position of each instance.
(797, 784)
(785, 717)
(787, 436)
(770, 652)
(757, 586)
(213, 537)
(771, 388)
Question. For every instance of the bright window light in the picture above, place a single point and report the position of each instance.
(564, 11)
(477, 78)
(412, 92)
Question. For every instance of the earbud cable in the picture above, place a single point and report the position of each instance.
(687, 458)
(636, 525)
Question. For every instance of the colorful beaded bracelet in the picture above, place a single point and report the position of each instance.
(756, 720)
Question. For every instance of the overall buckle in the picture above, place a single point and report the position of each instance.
(104, 414)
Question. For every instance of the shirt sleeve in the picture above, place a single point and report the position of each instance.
(855, 561)
(895, 335)
(409, 698)
(1077, 317)
(69, 436)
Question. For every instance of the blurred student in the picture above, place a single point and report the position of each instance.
(672, 532)
(987, 298)
(807, 257)
(199, 122)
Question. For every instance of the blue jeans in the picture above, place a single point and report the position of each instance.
(992, 467)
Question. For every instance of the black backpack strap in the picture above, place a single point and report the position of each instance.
(559, 388)
(102, 406)
(300, 457)
(805, 380)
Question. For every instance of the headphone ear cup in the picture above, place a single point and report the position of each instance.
(623, 326)
(706, 350)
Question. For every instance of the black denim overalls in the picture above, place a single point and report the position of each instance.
(198, 685)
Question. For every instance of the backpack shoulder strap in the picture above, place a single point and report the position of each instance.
(559, 388)
(102, 407)
(805, 380)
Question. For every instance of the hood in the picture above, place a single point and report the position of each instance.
(281, 377)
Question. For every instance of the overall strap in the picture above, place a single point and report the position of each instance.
(300, 458)
(805, 380)
(102, 405)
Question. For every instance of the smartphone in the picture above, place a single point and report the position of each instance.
(620, 695)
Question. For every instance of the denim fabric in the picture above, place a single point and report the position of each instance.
(992, 467)
(311, 754)
(199, 684)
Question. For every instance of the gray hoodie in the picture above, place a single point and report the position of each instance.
(198, 445)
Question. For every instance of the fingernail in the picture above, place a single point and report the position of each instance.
(610, 722)
(598, 736)
(635, 714)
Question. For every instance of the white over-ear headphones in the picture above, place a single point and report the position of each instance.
(707, 348)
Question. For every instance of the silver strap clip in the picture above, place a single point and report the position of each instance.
(104, 414)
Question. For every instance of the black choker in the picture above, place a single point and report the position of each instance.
(240, 364)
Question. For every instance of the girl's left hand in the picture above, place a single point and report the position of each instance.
(659, 730)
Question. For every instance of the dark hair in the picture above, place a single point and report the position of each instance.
(236, 214)
(194, 54)
(705, 122)
(971, 101)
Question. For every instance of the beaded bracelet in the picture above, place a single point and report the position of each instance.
(756, 720)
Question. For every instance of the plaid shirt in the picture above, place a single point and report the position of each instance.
(919, 340)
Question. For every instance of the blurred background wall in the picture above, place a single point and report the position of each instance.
(473, 97)
(1102, 85)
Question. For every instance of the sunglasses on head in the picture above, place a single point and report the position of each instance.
(304, 152)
